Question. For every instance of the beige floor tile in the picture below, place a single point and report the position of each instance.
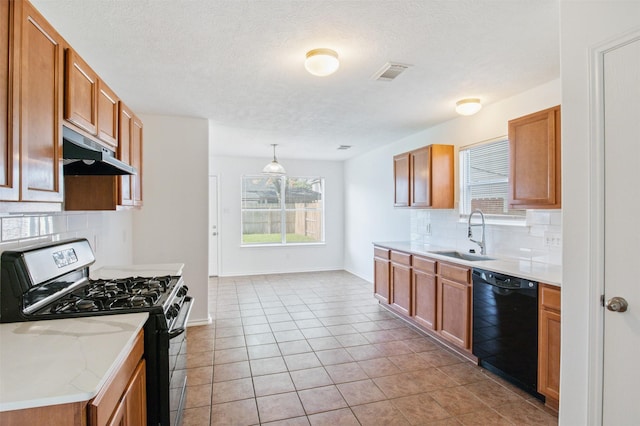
(229, 355)
(492, 393)
(361, 392)
(199, 376)
(317, 400)
(279, 407)
(263, 351)
(239, 413)
(232, 390)
(198, 396)
(349, 372)
(334, 356)
(381, 413)
(342, 417)
(310, 378)
(464, 373)
(198, 359)
(196, 416)
(272, 384)
(263, 366)
(231, 371)
(420, 409)
(296, 421)
(483, 418)
(364, 352)
(302, 361)
(524, 414)
(379, 367)
(393, 348)
(410, 362)
(458, 400)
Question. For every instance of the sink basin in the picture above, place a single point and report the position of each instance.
(463, 256)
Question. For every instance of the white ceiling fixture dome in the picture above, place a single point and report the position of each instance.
(322, 62)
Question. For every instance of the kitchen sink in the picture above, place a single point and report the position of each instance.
(463, 256)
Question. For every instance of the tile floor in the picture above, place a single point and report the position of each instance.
(316, 348)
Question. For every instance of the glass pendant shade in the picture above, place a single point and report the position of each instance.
(274, 168)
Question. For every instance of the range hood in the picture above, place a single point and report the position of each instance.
(83, 156)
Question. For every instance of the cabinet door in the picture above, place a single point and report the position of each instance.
(401, 180)
(453, 312)
(401, 287)
(420, 172)
(125, 135)
(136, 160)
(40, 73)
(81, 91)
(381, 276)
(534, 145)
(425, 299)
(549, 344)
(107, 115)
(135, 398)
(9, 153)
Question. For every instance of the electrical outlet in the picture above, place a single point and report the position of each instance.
(552, 240)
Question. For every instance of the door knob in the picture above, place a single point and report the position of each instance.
(617, 304)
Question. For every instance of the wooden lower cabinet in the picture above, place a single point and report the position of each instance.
(122, 400)
(425, 292)
(432, 295)
(381, 265)
(549, 344)
(401, 282)
(454, 304)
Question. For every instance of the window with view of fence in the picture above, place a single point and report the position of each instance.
(282, 210)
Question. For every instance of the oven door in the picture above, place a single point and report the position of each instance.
(177, 362)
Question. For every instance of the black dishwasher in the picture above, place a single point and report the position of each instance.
(505, 327)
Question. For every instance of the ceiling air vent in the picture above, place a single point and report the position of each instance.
(344, 147)
(390, 71)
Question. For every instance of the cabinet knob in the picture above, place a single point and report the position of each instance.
(617, 304)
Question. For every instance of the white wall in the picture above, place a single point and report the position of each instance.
(108, 233)
(172, 226)
(583, 25)
(237, 260)
(369, 212)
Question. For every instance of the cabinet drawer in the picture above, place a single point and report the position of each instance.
(454, 273)
(424, 264)
(381, 252)
(402, 258)
(550, 297)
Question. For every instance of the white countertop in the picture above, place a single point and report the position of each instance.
(62, 361)
(142, 270)
(535, 271)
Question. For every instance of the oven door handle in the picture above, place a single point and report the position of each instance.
(178, 329)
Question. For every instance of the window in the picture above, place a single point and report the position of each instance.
(271, 215)
(484, 180)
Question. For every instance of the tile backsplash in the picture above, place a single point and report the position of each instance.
(540, 239)
(109, 233)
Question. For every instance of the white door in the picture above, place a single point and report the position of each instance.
(621, 376)
(213, 226)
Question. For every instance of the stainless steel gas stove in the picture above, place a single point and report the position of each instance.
(52, 281)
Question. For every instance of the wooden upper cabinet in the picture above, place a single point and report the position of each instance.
(424, 178)
(401, 180)
(38, 104)
(108, 115)
(81, 93)
(9, 148)
(125, 133)
(535, 168)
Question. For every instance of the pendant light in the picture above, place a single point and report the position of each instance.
(274, 168)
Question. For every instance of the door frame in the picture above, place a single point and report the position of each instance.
(217, 207)
(595, 373)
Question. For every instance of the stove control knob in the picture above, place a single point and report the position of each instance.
(172, 312)
(182, 291)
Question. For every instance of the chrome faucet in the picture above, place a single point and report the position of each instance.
(481, 243)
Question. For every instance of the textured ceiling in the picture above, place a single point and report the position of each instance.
(240, 63)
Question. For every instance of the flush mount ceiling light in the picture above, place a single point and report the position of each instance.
(274, 168)
(321, 62)
(468, 106)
